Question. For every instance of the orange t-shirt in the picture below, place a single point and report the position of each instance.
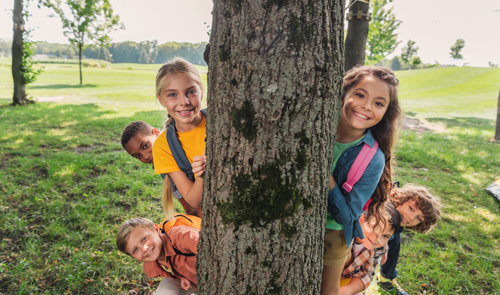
(192, 142)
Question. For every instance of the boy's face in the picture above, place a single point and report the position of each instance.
(140, 146)
(144, 244)
(374, 237)
(410, 214)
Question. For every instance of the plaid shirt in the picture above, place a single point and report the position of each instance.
(363, 266)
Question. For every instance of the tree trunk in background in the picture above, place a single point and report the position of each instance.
(357, 34)
(274, 80)
(80, 45)
(19, 97)
(497, 129)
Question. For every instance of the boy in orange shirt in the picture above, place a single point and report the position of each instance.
(171, 255)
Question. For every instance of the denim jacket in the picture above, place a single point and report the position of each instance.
(346, 209)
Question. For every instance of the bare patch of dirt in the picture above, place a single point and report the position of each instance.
(51, 98)
(421, 125)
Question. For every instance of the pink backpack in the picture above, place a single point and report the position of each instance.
(358, 168)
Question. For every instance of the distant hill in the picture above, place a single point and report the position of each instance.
(446, 92)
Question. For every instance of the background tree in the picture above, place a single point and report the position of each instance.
(395, 64)
(408, 52)
(382, 39)
(19, 97)
(24, 70)
(274, 82)
(357, 33)
(457, 48)
(89, 22)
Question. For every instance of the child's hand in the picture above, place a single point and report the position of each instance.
(332, 182)
(198, 165)
(186, 284)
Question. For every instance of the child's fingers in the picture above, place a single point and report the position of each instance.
(332, 182)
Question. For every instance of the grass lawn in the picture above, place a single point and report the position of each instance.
(67, 184)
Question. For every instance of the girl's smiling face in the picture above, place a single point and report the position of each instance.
(366, 103)
(182, 99)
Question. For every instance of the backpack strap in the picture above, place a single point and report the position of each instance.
(178, 153)
(177, 251)
(359, 166)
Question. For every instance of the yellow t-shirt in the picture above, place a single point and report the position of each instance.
(192, 142)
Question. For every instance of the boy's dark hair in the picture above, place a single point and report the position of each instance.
(424, 200)
(133, 128)
(391, 215)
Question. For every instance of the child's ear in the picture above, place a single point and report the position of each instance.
(157, 229)
(160, 101)
(155, 132)
(362, 218)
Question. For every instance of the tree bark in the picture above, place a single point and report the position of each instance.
(80, 45)
(275, 77)
(357, 34)
(497, 129)
(19, 97)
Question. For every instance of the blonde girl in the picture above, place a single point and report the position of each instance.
(179, 90)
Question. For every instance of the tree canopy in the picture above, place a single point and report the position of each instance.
(409, 51)
(382, 38)
(88, 23)
(456, 49)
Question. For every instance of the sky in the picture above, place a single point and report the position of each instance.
(434, 25)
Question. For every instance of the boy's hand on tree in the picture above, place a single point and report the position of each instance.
(185, 284)
(198, 165)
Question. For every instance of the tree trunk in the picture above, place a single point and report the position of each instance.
(357, 34)
(19, 97)
(80, 45)
(497, 129)
(275, 77)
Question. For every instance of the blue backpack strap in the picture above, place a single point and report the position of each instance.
(179, 154)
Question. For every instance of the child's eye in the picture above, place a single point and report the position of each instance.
(145, 146)
(420, 219)
(379, 104)
(360, 95)
(192, 92)
(145, 238)
(135, 250)
(137, 156)
(411, 208)
(171, 95)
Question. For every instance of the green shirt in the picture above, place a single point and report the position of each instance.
(338, 149)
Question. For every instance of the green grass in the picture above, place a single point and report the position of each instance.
(67, 184)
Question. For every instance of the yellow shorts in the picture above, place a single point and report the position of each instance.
(336, 250)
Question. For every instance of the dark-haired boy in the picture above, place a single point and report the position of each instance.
(138, 139)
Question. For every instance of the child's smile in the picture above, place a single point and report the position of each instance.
(144, 244)
(365, 105)
(182, 99)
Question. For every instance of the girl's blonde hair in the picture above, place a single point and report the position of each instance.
(165, 74)
(167, 201)
(384, 132)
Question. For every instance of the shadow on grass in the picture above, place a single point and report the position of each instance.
(62, 86)
(463, 122)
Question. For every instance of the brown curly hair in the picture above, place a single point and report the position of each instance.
(429, 204)
(384, 132)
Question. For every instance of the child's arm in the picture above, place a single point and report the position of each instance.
(346, 208)
(185, 238)
(355, 285)
(191, 191)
